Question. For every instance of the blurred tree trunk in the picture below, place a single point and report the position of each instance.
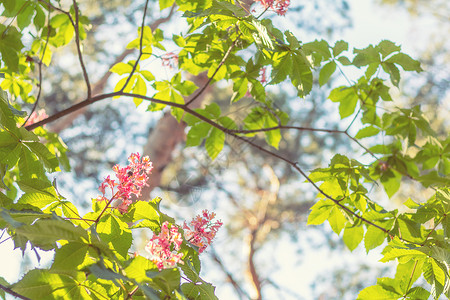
(166, 135)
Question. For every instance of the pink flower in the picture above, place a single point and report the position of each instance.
(131, 180)
(201, 230)
(279, 6)
(36, 117)
(164, 247)
(263, 75)
(170, 60)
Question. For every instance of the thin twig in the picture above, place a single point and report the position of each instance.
(203, 88)
(53, 7)
(40, 70)
(141, 40)
(410, 278)
(130, 294)
(11, 292)
(229, 276)
(80, 56)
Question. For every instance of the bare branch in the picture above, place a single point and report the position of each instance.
(11, 292)
(200, 91)
(40, 71)
(141, 39)
(229, 276)
(80, 56)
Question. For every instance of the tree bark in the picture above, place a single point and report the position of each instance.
(167, 134)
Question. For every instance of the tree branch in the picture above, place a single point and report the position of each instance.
(220, 127)
(80, 56)
(215, 72)
(99, 85)
(229, 276)
(11, 292)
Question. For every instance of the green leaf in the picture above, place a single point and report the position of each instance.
(366, 56)
(10, 46)
(25, 16)
(10, 149)
(240, 88)
(146, 213)
(100, 271)
(418, 292)
(45, 232)
(406, 62)
(391, 182)
(35, 185)
(344, 60)
(347, 98)
(49, 160)
(326, 72)
(337, 220)
(387, 47)
(213, 109)
(214, 142)
(197, 133)
(137, 268)
(198, 291)
(373, 238)
(292, 40)
(435, 276)
(320, 212)
(165, 4)
(4, 283)
(115, 233)
(393, 71)
(339, 47)
(69, 256)
(121, 68)
(376, 292)
(29, 165)
(139, 88)
(353, 236)
(301, 75)
(281, 69)
(41, 284)
(147, 75)
(262, 39)
(321, 48)
(167, 280)
(366, 132)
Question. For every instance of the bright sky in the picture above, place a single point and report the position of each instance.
(371, 25)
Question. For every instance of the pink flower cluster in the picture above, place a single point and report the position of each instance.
(164, 247)
(201, 230)
(170, 60)
(263, 75)
(36, 117)
(279, 6)
(131, 180)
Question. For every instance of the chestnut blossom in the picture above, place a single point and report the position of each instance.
(263, 75)
(170, 60)
(36, 117)
(201, 230)
(164, 247)
(131, 180)
(279, 6)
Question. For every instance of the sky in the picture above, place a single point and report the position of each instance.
(371, 24)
